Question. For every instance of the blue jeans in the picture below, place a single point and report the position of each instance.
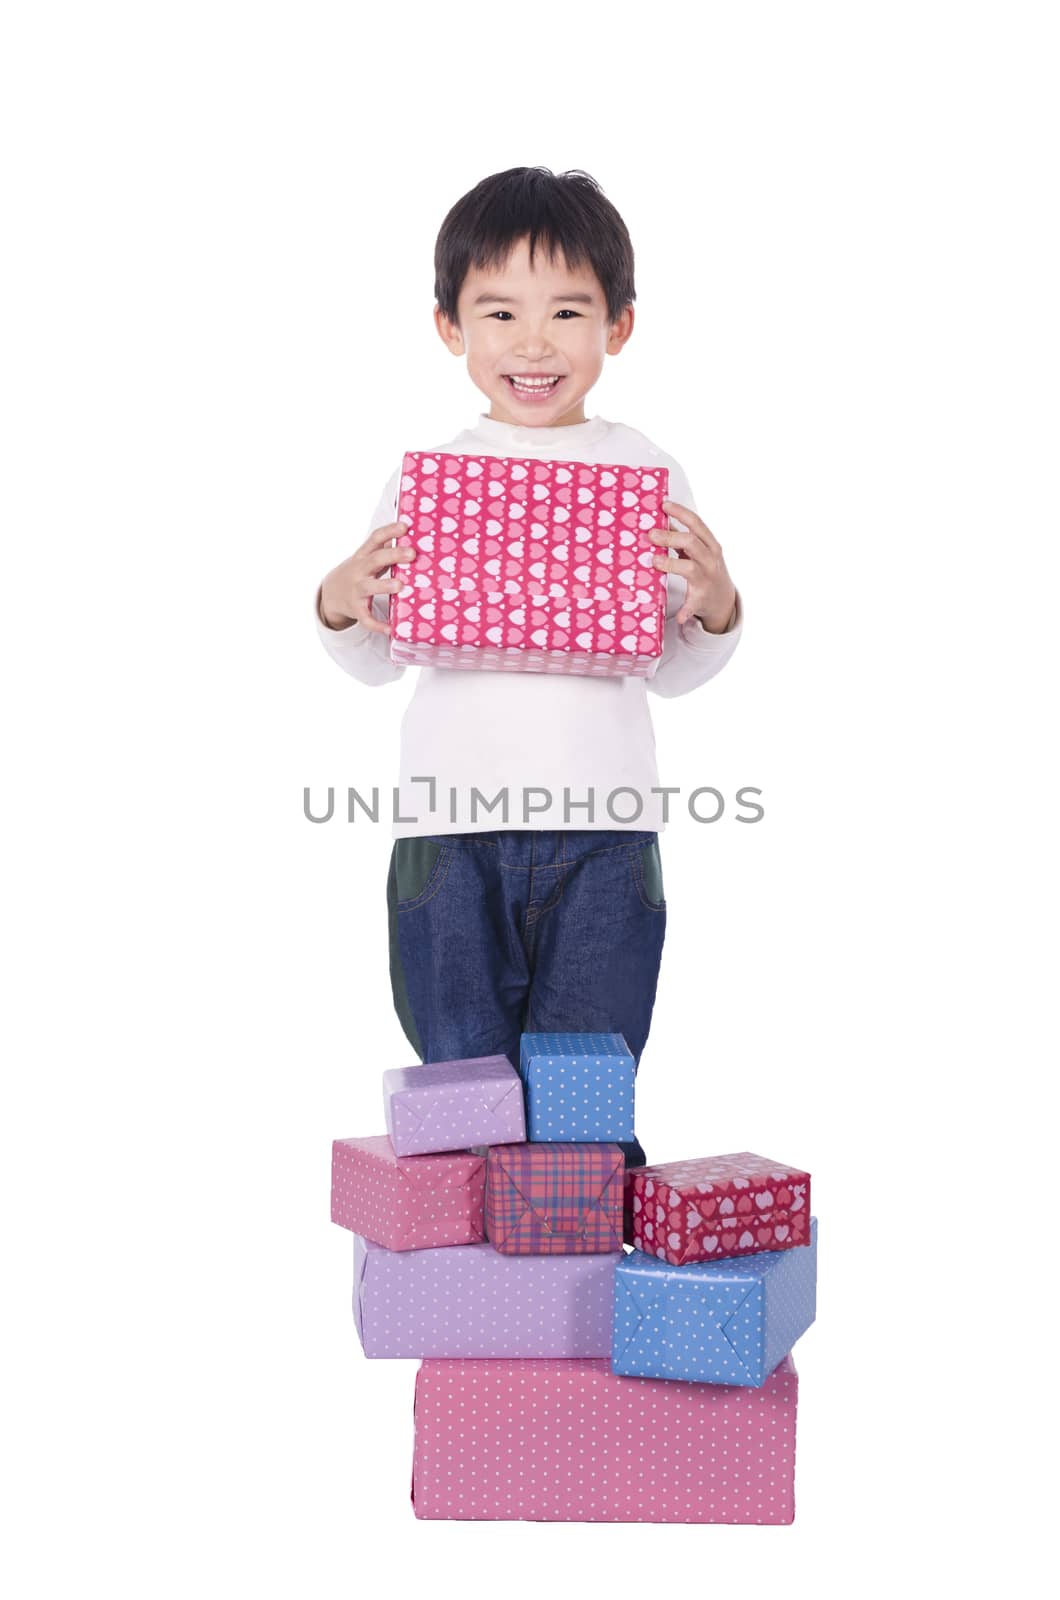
(495, 934)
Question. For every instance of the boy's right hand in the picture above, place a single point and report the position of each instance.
(346, 593)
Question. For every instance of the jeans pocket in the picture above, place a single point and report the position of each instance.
(646, 866)
(419, 864)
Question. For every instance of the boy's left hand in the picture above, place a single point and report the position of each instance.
(711, 592)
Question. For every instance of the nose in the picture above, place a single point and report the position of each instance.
(532, 350)
(533, 346)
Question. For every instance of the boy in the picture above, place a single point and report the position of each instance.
(555, 922)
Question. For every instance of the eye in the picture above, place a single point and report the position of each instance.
(565, 312)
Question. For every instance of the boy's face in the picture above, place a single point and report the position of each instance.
(547, 320)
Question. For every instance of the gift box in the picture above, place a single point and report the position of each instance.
(406, 1202)
(554, 1199)
(727, 1321)
(448, 1105)
(716, 1206)
(569, 1441)
(535, 566)
(469, 1300)
(578, 1086)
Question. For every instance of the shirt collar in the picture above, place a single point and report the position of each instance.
(574, 436)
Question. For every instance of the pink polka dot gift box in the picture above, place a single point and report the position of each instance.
(407, 1202)
(448, 1105)
(571, 1441)
(716, 1206)
(529, 566)
(554, 1199)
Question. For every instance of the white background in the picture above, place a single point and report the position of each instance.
(217, 337)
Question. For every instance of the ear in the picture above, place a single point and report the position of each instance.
(620, 331)
(449, 332)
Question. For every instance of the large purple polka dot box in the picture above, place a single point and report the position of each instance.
(730, 1321)
(571, 1441)
(470, 1300)
(449, 1105)
(579, 1086)
(407, 1202)
(530, 566)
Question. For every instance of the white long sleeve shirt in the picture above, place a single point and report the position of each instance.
(543, 744)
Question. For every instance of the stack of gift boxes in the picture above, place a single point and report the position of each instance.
(563, 1377)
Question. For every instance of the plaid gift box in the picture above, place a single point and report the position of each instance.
(554, 1199)
(530, 566)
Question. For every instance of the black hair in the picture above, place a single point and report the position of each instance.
(568, 210)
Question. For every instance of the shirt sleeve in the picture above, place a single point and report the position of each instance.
(690, 654)
(358, 650)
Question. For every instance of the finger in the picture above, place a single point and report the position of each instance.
(675, 539)
(381, 562)
(366, 617)
(381, 536)
(692, 518)
(384, 586)
(673, 564)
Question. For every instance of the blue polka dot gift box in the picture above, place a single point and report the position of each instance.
(730, 1321)
(579, 1086)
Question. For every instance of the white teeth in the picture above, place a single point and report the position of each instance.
(533, 383)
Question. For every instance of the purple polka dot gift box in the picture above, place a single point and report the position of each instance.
(448, 1105)
(407, 1202)
(579, 1086)
(569, 1441)
(730, 1321)
(469, 1300)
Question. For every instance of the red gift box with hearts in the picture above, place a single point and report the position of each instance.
(716, 1206)
(529, 566)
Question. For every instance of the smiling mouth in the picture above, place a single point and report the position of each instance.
(512, 380)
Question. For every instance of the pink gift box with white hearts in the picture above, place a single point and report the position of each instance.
(529, 566)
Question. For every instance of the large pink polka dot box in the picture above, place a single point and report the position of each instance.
(711, 1207)
(530, 566)
(569, 1441)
